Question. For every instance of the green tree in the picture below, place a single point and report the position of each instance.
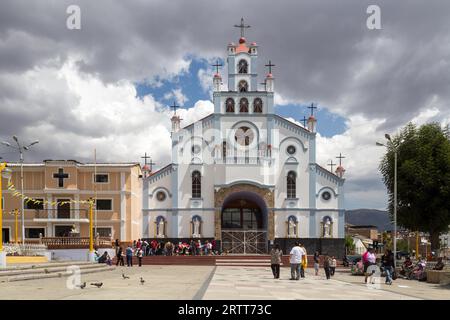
(349, 244)
(423, 186)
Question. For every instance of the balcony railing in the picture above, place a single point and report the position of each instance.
(71, 214)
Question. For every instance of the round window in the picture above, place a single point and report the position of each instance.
(291, 149)
(161, 196)
(244, 136)
(326, 195)
(196, 149)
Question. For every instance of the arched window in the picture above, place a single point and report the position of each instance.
(196, 184)
(229, 105)
(243, 66)
(257, 105)
(291, 184)
(243, 105)
(243, 86)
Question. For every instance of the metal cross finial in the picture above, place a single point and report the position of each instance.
(217, 65)
(312, 107)
(242, 26)
(340, 158)
(145, 157)
(270, 65)
(174, 107)
(304, 120)
(151, 163)
(331, 164)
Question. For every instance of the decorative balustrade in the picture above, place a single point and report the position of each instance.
(75, 242)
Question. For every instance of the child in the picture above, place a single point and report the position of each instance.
(333, 265)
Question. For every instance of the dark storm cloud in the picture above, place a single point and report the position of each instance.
(318, 46)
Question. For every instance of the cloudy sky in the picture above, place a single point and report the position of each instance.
(108, 85)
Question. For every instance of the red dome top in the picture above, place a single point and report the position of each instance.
(146, 167)
(269, 75)
(253, 43)
(217, 75)
(242, 40)
(311, 118)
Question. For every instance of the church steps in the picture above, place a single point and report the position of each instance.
(45, 265)
(32, 274)
(226, 260)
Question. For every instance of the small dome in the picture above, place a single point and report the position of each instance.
(340, 169)
(311, 118)
(269, 75)
(242, 40)
(231, 44)
(217, 75)
(253, 44)
(146, 167)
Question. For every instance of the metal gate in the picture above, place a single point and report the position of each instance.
(244, 242)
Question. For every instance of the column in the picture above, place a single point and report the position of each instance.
(123, 207)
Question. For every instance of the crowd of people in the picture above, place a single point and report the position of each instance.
(141, 248)
(298, 259)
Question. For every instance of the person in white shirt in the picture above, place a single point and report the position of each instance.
(295, 260)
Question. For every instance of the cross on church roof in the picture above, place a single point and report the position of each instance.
(60, 176)
(145, 157)
(242, 26)
(340, 159)
(174, 107)
(151, 163)
(304, 120)
(312, 107)
(270, 65)
(217, 65)
(331, 164)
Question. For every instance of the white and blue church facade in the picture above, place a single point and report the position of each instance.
(244, 176)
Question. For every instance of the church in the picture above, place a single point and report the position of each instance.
(243, 176)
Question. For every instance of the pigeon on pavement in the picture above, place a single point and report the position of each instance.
(97, 284)
(124, 276)
(142, 281)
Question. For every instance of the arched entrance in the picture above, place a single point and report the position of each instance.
(244, 223)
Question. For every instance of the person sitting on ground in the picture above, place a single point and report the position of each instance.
(105, 258)
(407, 267)
(439, 265)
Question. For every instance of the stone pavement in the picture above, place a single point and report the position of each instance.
(161, 282)
(258, 283)
(176, 282)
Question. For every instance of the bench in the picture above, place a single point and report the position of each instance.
(439, 276)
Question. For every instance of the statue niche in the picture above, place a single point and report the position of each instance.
(160, 225)
(292, 227)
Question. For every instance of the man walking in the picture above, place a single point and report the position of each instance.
(129, 253)
(295, 260)
(275, 260)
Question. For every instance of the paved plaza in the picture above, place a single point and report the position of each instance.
(210, 283)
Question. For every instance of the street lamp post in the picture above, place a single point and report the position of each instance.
(4, 173)
(20, 148)
(388, 137)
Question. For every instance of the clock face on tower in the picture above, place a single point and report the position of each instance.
(244, 136)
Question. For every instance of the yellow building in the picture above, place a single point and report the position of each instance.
(117, 186)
